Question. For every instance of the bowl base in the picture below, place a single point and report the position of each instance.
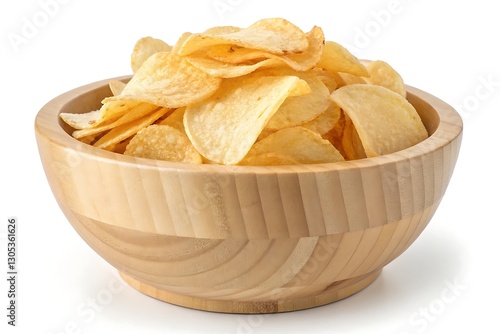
(333, 293)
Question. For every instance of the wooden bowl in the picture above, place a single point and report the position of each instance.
(247, 239)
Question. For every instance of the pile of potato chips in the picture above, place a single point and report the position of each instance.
(268, 94)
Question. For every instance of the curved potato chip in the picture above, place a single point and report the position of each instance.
(335, 135)
(81, 121)
(268, 159)
(383, 74)
(221, 30)
(132, 114)
(124, 131)
(224, 127)
(311, 56)
(325, 121)
(163, 142)
(332, 80)
(385, 121)
(232, 54)
(144, 48)
(109, 111)
(299, 143)
(113, 108)
(299, 62)
(351, 142)
(350, 79)
(180, 41)
(220, 69)
(336, 58)
(297, 110)
(274, 35)
(175, 119)
(170, 81)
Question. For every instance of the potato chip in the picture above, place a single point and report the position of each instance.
(299, 62)
(144, 48)
(332, 80)
(297, 110)
(134, 113)
(268, 159)
(109, 111)
(90, 139)
(177, 46)
(383, 74)
(220, 69)
(224, 127)
(274, 35)
(312, 55)
(176, 119)
(325, 121)
(264, 133)
(121, 146)
(81, 121)
(221, 30)
(301, 144)
(385, 121)
(351, 142)
(350, 79)
(113, 109)
(336, 58)
(124, 131)
(170, 81)
(232, 54)
(163, 142)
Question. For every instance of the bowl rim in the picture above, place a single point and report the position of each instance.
(48, 124)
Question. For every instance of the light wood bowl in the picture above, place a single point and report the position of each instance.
(247, 239)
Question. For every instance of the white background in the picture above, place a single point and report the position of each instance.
(448, 48)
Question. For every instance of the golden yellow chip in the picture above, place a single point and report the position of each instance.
(334, 136)
(134, 113)
(274, 35)
(220, 69)
(175, 120)
(109, 111)
(81, 121)
(232, 54)
(113, 109)
(170, 81)
(297, 110)
(306, 60)
(299, 62)
(177, 46)
(383, 74)
(144, 48)
(163, 142)
(124, 131)
(332, 80)
(385, 121)
(336, 58)
(121, 146)
(351, 143)
(221, 30)
(224, 127)
(350, 79)
(325, 121)
(298, 143)
(268, 159)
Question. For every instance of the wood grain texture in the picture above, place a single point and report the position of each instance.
(247, 239)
